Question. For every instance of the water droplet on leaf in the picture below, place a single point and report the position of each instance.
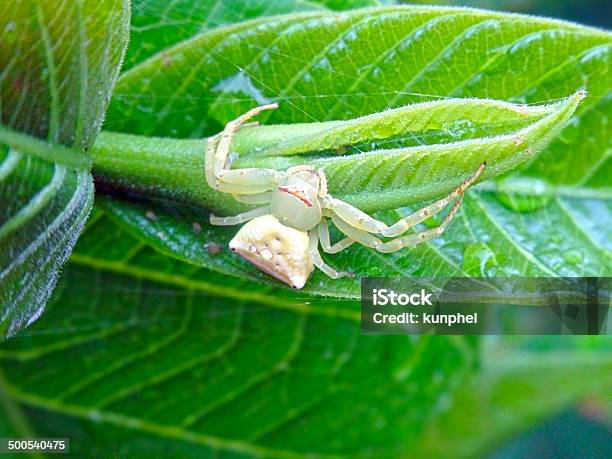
(573, 257)
(479, 260)
(523, 203)
(460, 128)
(524, 194)
(241, 83)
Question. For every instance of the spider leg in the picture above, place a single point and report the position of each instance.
(216, 158)
(209, 159)
(259, 198)
(247, 181)
(363, 221)
(293, 170)
(353, 216)
(226, 136)
(323, 230)
(240, 218)
(322, 183)
(316, 177)
(318, 261)
(365, 238)
(402, 225)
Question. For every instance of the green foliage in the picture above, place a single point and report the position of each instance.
(149, 348)
(59, 64)
(370, 180)
(145, 365)
(156, 25)
(549, 219)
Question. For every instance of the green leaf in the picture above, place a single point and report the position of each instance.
(361, 62)
(173, 169)
(156, 24)
(549, 220)
(58, 64)
(154, 366)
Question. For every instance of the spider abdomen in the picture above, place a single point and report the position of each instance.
(279, 250)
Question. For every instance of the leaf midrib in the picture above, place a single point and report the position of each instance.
(560, 191)
(49, 152)
(213, 289)
(132, 423)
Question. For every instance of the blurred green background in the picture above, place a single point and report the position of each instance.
(594, 12)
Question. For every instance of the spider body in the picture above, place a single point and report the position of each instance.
(282, 236)
(278, 242)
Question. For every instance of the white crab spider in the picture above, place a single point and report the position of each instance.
(282, 237)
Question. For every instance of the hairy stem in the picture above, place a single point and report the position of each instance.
(505, 135)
